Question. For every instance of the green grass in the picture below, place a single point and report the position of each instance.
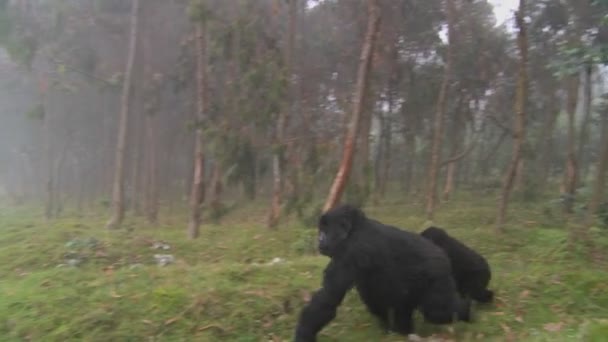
(221, 289)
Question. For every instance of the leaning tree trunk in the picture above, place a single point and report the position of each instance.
(197, 193)
(519, 129)
(118, 206)
(337, 187)
(431, 195)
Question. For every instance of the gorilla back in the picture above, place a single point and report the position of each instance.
(394, 272)
(471, 270)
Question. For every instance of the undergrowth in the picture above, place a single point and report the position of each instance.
(72, 280)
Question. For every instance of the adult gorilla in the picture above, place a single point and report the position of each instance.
(471, 270)
(394, 271)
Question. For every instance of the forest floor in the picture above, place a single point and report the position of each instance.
(73, 280)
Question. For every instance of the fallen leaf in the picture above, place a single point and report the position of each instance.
(505, 328)
(553, 327)
(524, 294)
(498, 313)
(146, 321)
(519, 319)
(115, 295)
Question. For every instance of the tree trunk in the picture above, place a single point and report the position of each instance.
(600, 178)
(197, 194)
(278, 159)
(546, 148)
(215, 190)
(438, 124)
(344, 169)
(362, 162)
(584, 134)
(379, 155)
(152, 170)
(519, 129)
(571, 176)
(386, 158)
(118, 207)
(457, 135)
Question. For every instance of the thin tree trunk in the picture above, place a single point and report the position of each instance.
(410, 155)
(386, 158)
(379, 155)
(118, 210)
(584, 134)
(137, 156)
(600, 178)
(571, 176)
(152, 170)
(457, 136)
(197, 193)
(215, 189)
(546, 147)
(438, 128)
(341, 178)
(519, 130)
(278, 159)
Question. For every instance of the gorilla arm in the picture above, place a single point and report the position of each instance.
(338, 279)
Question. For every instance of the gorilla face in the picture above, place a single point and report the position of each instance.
(334, 230)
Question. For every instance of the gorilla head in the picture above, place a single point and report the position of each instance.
(335, 227)
(435, 234)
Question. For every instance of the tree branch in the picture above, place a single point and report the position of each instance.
(501, 125)
(459, 156)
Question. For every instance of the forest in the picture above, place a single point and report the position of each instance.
(164, 164)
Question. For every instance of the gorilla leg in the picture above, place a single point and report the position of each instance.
(398, 320)
(441, 304)
(402, 321)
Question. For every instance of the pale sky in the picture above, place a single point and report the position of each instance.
(503, 9)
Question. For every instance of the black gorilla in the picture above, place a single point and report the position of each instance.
(471, 270)
(394, 272)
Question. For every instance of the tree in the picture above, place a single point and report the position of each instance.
(438, 122)
(198, 184)
(600, 178)
(118, 207)
(278, 159)
(519, 129)
(367, 51)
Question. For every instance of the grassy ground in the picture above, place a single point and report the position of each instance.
(220, 287)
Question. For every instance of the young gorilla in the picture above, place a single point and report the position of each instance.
(394, 272)
(471, 270)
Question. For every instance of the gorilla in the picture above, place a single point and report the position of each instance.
(470, 269)
(395, 272)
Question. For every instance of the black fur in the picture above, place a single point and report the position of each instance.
(471, 270)
(394, 272)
